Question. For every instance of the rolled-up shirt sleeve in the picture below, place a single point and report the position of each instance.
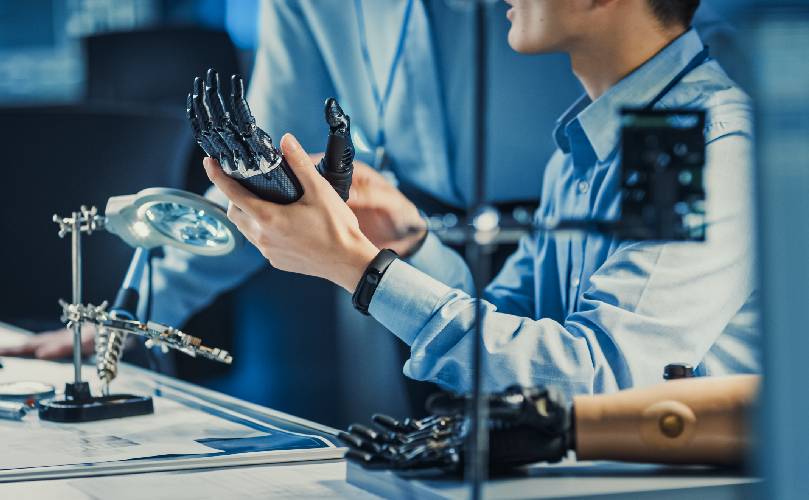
(437, 321)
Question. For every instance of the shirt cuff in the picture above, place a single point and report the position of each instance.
(430, 248)
(405, 299)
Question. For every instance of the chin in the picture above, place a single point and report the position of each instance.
(539, 26)
(517, 41)
(514, 41)
(523, 44)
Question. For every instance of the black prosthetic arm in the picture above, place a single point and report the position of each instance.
(247, 153)
(526, 425)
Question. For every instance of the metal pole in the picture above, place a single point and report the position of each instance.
(134, 274)
(76, 265)
(477, 464)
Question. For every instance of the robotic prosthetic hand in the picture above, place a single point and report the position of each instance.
(703, 420)
(247, 153)
(526, 425)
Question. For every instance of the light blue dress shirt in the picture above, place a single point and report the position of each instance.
(591, 313)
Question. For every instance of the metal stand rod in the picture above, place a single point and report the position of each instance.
(479, 409)
(477, 464)
(85, 220)
(134, 274)
(75, 236)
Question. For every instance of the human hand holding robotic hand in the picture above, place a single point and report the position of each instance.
(526, 425)
(246, 152)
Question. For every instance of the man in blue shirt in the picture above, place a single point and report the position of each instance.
(589, 313)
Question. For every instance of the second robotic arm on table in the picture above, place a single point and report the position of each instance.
(690, 421)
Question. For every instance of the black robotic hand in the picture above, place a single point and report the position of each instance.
(526, 425)
(247, 153)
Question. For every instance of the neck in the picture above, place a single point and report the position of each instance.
(601, 62)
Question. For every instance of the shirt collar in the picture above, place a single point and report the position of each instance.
(589, 129)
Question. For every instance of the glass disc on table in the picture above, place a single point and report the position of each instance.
(25, 391)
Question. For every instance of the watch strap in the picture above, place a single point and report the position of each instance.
(371, 278)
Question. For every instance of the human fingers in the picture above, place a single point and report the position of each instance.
(235, 192)
(301, 164)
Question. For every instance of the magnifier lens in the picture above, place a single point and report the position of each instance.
(187, 225)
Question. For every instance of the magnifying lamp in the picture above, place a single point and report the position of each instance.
(151, 218)
(170, 217)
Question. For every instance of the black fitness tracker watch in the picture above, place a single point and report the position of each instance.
(371, 278)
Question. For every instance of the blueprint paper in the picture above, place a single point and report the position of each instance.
(185, 425)
(311, 481)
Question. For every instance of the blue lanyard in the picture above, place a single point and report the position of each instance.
(380, 99)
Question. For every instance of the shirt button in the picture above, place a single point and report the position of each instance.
(576, 282)
(583, 187)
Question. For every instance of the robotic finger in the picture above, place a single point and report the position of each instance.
(246, 160)
(337, 166)
(204, 131)
(203, 141)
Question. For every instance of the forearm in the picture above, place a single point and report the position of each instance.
(438, 323)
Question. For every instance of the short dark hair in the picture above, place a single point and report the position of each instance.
(674, 11)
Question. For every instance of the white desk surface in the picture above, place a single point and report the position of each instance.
(581, 480)
(327, 479)
(324, 480)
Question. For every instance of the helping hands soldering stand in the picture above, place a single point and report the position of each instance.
(78, 403)
(177, 218)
